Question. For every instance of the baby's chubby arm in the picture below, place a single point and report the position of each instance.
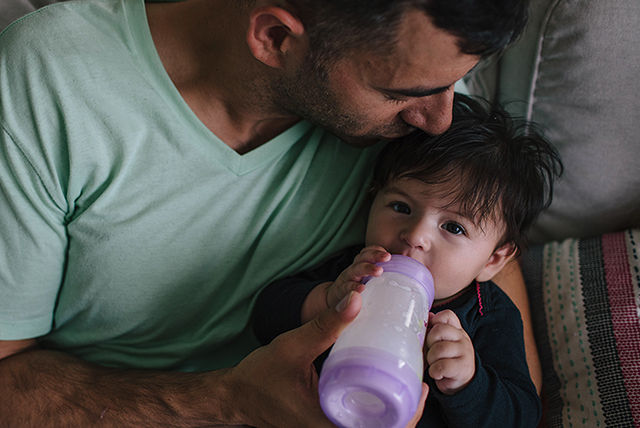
(450, 352)
(329, 294)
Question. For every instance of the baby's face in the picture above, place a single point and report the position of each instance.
(407, 218)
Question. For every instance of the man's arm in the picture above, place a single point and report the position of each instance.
(276, 385)
(42, 387)
(510, 280)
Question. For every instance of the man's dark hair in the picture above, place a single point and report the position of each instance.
(494, 162)
(336, 27)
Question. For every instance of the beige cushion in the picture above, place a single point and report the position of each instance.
(575, 71)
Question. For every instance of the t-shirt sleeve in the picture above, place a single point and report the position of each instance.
(32, 245)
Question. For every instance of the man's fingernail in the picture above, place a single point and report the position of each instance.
(344, 302)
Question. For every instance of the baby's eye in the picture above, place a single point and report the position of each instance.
(400, 207)
(454, 228)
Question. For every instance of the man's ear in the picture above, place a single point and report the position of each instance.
(496, 262)
(273, 33)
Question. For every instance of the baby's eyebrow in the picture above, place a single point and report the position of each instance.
(462, 215)
(395, 190)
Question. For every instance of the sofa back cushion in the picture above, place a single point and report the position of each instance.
(576, 72)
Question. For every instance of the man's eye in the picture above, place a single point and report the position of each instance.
(454, 228)
(394, 99)
(400, 207)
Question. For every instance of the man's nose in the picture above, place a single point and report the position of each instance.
(432, 114)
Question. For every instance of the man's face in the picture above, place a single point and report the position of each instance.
(414, 219)
(364, 97)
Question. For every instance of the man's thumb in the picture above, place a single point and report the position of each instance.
(321, 332)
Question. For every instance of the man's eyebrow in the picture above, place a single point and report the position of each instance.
(416, 92)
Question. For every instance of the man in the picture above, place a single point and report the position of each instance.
(156, 173)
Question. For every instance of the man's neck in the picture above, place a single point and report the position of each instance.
(202, 46)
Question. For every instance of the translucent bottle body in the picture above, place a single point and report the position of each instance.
(373, 375)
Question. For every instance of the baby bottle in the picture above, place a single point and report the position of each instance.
(373, 375)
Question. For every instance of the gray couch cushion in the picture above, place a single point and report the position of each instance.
(575, 71)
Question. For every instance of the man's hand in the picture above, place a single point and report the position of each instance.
(450, 354)
(277, 385)
(364, 265)
(423, 398)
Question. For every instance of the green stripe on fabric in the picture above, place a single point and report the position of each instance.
(571, 354)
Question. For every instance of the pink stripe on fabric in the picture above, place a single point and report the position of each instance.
(624, 315)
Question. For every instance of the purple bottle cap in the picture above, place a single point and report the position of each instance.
(368, 388)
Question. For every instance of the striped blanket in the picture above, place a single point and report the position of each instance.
(585, 300)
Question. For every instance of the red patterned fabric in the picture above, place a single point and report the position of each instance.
(624, 313)
(585, 297)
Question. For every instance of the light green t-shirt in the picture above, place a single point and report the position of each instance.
(130, 235)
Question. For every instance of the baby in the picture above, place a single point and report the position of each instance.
(460, 203)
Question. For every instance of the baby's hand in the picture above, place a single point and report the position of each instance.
(450, 354)
(364, 264)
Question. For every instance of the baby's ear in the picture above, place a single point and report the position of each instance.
(496, 262)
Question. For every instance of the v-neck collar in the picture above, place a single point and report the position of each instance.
(239, 164)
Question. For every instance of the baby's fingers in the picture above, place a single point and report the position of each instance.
(452, 374)
(372, 254)
(443, 333)
(444, 350)
(358, 271)
(444, 368)
(446, 316)
(350, 286)
(340, 289)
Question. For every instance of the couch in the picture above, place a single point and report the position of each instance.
(575, 72)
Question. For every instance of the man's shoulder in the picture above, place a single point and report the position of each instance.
(60, 23)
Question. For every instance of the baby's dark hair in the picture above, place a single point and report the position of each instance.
(492, 160)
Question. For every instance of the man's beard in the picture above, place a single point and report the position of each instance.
(309, 96)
